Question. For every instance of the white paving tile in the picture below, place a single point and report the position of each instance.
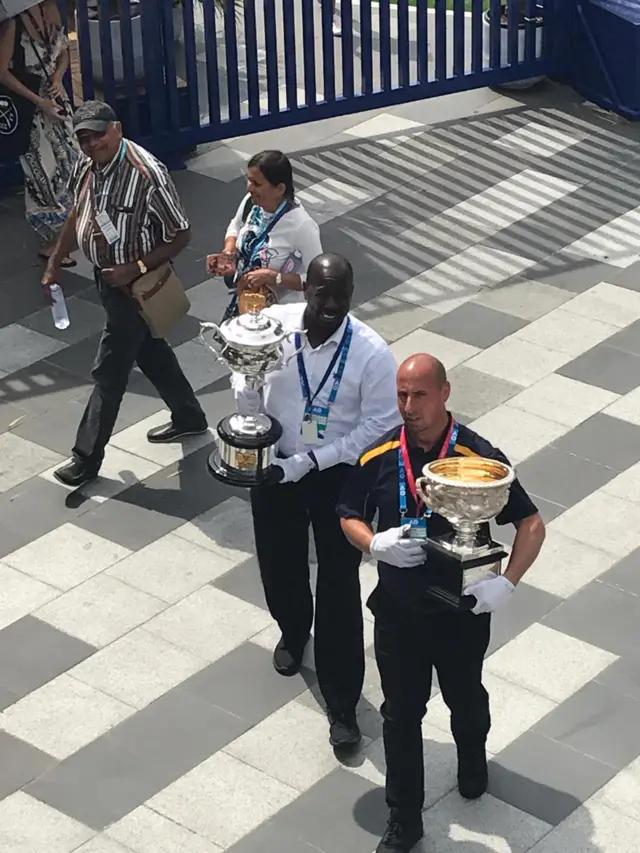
(291, 745)
(21, 595)
(63, 716)
(627, 408)
(592, 828)
(21, 459)
(29, 826)
(622, 793)
(66, 556)
(119, 471)
(137, 668)
(517, 433)
(513, 711)
(392, 318)
(243, 796)
(134, 440)
(209, 623)
(100, 610)
(488, 825)
(518, 361)
(450, 352)
(526, 299)
(102, 844)
(170, 568)
(146, 831)
(548, 662)
(603, 518)
(616, 242)
(564, 565)
(567, 332)
(626, 485)
(20, 347)
(382, 124)
(607, 303)
(227, 530)
(563, 400)
(538, 139)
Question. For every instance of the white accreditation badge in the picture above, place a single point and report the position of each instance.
(104, 223)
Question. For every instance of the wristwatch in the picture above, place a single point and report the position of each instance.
(142, 267)
(279, 280)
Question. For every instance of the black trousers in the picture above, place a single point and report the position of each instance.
(125, 341)
(408, 646)
(281, 518)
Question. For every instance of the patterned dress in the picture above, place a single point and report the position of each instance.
(52, 149)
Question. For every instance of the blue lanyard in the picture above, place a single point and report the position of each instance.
(342, 351)
(249, 254)
(402, 473)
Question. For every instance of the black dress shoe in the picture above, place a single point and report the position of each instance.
(170, 432)
(287, 662)
(473, 776)
(76, 473)
(401, 835)
(344, 732)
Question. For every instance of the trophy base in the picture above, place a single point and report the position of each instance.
(480, 563)
(245, 449)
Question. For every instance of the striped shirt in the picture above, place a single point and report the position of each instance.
(139, 197)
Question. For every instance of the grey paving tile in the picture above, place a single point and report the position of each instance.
(20, 763)
(562, 477)
(476, 325)
(274, 835)
(545, 778)
(41, 387)
(625, 575)
(7, 697)
(627, 339)
(190, 266)
(548, 509)
(244, 683)
(533, 237)
(9, 414)
(33, 653)
(11, 540)
(523, 297)
(623, 675)
(629, 278)
(605, 440)
(601, 615)
(78, 359)
(86, 320)
(244, 582)
(528, 605)
(605, 366)
(597, 722)
(55, 429)
(569, 273)
(187, 329)
(473, 394)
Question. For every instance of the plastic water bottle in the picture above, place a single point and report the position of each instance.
(59, 308)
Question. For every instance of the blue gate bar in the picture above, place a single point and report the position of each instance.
(366, 47)
(384, 46)
(128, 68)
(231, 51)
(271, 49)
(422, 38)
(459, 24)
(404, 56)
(477, 36)
(86, 71)
(155, 99)
(495, 34)
(346, 14)
(251, 55)
(531, 30)
(190, 61)
(290, 59)
(106, 51)
(328, 57)
(309, 51)
(513, 31)
(171, 74)
(441, 39)
(211, 56)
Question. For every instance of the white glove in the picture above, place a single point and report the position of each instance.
(491, 594)
(295, 467)
(395, 548)
(249, 402)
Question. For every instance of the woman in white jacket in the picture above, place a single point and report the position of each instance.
(271, 240)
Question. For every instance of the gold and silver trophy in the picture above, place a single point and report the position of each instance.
(469, 491)
(250, 344)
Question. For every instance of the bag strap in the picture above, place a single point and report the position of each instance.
(33, 44)
(18, 61)
(246, 210)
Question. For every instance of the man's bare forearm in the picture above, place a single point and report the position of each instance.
(167, 251)
(526, 547)
(66, 244)
(358, 533)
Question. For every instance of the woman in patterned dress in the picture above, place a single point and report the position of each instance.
(36, 41)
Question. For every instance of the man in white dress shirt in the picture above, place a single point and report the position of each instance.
(334, 400)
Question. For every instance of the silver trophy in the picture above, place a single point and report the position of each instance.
(250, 344)
(468, 491)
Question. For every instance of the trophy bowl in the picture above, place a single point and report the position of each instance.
(250, 344)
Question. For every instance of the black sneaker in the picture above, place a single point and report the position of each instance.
(344, 732)
(169, 432)
(286, 662)
(76, 473)
(473, 776)
(401, 836)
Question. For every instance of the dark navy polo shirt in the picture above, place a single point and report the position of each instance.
(372, 489)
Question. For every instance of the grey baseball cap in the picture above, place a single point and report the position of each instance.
(93, 115)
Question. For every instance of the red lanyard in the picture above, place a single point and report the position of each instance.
(452, 433)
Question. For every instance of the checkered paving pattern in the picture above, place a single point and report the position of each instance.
(139, 711)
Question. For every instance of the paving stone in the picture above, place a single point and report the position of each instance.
(393, 318)
(28, 824)
(592, 827)
(146, 831)
(562, 477)
(563, 400)
(22, 459)
(518, 361)
(627, 339)
(626, 408)
(565, 565)
(86, 320)
(603, 439)
(622, 793)
(21, 347)
(602, 520)
(518, 434)
(450, 352)
(565, 331)
(605, 366)
(523, 298)
(476, 325)
(244, 582)
(21, 595)
(626, 485)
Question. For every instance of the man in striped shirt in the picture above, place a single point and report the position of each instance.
(127, 219)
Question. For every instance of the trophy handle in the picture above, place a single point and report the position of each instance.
(420, 490)
(217, 337)
(303, 334)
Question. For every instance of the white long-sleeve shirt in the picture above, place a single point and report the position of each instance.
(291, 245)
(366, 404)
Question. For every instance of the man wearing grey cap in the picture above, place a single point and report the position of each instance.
(127, 219)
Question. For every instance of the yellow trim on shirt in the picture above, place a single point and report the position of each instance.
(376, 451)
(465, 451)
